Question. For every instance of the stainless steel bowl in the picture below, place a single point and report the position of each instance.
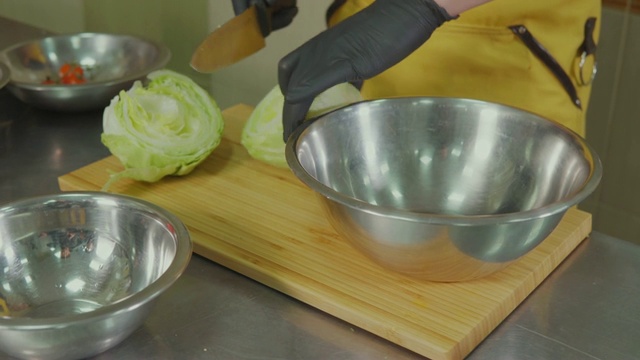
(79, 272)
(442, 189)
(111, 63)
(4, 75)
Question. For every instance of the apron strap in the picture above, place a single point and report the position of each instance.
(541, 53)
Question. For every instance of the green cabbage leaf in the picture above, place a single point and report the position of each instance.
(262, 134)
(166, 127)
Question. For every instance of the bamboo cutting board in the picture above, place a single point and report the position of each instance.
(262, 222)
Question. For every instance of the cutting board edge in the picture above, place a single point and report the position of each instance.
(454, 349)
(309, 295)
(579, 235)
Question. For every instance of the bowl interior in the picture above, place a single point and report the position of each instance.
(443, 156)
(104, 57)
(74, 255)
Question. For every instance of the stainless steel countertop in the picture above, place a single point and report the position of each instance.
(588, 308)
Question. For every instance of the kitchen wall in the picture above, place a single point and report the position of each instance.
(58, 15)
(613, 116)
(613, 124)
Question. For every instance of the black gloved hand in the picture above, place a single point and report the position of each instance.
(272, 14)
(358, 48)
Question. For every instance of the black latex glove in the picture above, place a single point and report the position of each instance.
(358, 48)
(272, 14)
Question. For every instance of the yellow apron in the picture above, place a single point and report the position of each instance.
(478, 56)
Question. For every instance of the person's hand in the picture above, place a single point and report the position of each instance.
(272, 14)
(358, 48)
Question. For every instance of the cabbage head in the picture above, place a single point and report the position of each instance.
(166, 127)
(262, 134)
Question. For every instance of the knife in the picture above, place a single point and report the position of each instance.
(231, 42)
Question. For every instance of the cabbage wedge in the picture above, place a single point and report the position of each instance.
(262, 134)
(167, 127)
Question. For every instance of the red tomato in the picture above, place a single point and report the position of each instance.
(71, 79)
(68, 74)
(71, 74)
(64, 70)
(77, 71)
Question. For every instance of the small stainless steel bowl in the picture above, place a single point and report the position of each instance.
(79, 272)
(111, 62)
(442, 189)
(4, 75)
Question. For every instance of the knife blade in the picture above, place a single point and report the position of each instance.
(231, 42)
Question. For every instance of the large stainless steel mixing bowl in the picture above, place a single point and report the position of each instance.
(79, 272)
(111, 62)
(439, 188)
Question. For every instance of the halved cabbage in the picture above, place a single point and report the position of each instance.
(166, 128)
(262, 134)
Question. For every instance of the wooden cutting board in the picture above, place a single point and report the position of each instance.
(261, 221)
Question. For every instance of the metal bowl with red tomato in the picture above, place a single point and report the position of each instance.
(80, 71)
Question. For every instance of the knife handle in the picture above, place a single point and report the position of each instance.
(272, 14)
(264, 17)
(282, 13)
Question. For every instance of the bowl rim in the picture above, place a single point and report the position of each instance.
(5, 74)
(162, 60)
(184, 250)
(547, 210)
